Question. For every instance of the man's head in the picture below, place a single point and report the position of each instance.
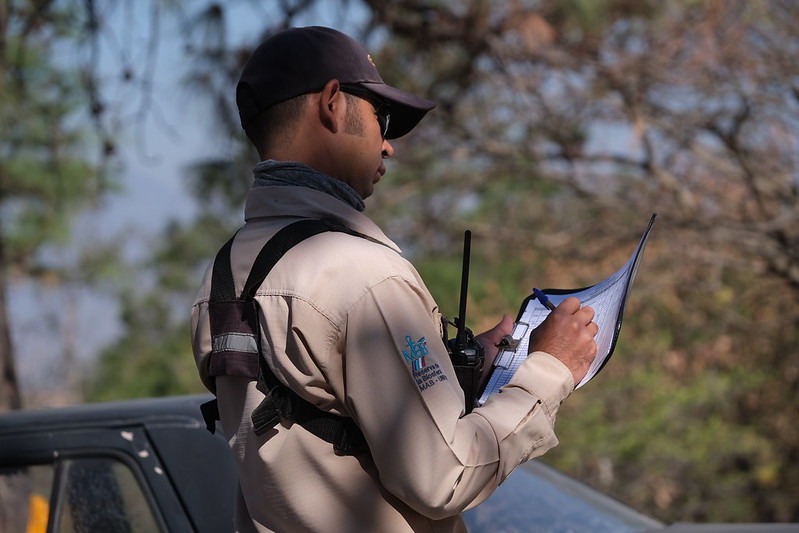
(298, 61)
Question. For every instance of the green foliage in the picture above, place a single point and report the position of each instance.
(182, 251)
(494, 287)
(45, 175)
(670, 423)
(152, 358)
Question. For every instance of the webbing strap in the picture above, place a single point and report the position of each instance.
(281, 243)
(234, 328)
(281, 402)
(222, 286)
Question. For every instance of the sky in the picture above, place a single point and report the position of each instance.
(181, 130)
(154, 156)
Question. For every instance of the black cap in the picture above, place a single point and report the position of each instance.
(302, 60)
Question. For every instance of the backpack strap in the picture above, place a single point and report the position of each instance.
(234, 332)
(234, 348)
(236, 351)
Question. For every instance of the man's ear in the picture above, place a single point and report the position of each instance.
(332, 106)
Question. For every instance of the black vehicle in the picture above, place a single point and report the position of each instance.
(140, 465)
(152, 466)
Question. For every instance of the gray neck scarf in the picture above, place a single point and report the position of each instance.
(272, 173)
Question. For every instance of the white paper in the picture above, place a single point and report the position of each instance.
(608, 299)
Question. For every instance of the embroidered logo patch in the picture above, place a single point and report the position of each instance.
(414, 352)
(426, 374)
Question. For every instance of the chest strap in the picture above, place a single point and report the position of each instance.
(237, 350)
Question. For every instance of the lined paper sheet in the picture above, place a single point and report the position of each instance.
(608, 298)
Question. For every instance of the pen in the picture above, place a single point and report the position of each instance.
(546, 302)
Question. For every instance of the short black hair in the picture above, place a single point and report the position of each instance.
(275, 122)
(278, 121)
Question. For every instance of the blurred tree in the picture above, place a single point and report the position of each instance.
(46, 173)
(62, 113)
(153, 357)
(561, 126)
(60, 120)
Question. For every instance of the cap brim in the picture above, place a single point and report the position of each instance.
(406, 109)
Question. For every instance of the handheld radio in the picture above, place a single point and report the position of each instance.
(465, 351)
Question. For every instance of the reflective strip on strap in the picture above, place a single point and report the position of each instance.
(235, 342)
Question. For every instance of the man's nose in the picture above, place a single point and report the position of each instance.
(388, 150)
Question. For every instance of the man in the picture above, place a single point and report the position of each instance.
(347, 324)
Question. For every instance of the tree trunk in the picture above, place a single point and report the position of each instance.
(9, 388)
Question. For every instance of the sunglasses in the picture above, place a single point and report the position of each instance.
(382, 109)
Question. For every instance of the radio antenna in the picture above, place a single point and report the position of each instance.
(467, 251)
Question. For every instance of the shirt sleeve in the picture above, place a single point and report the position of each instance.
(201, 332)
(402, 390)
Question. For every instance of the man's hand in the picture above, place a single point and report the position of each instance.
(568, 335)
(490, 341)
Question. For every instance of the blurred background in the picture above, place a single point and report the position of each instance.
(561, 127)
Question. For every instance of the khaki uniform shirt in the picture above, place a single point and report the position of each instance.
(349, 325)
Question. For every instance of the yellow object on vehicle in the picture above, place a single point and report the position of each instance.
(39, 511)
